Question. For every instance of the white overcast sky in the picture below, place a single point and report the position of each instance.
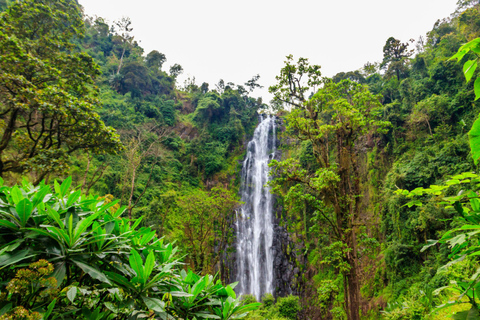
(235, 40)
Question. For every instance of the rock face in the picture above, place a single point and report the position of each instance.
(284, 268)
(284, 272)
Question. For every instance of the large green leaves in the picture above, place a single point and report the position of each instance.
(24, 210)
(474, 136)
(93, 248)
(470, 66)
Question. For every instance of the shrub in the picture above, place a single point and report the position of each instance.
(288, 307)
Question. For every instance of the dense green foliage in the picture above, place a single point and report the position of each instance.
(284, 308)
(334, 122)
(178, 142)
(80, 97)
(431, 109)
(92, 261)
(47, 95)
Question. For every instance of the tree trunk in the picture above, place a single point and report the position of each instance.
(121, 60)
(353, 285)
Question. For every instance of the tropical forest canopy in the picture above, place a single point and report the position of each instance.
(119, 184)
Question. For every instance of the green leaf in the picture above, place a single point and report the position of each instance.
(119, 211)
(59, 272)
(198, 287)
(83, 225)
(459, 55)
(412, 203)
(39, 196)
(474, 136)
(476, 88)
(469, 227)
(471, 44)
(469, 68)
(65, 186)
(206, 315)
(449, 264)
(73, 197)
(55, 216)
(180, 294)
(5, 309)
(136, 223)
(471, 314)
(154, 304)
(430, 243)
(136, 263)
(56, 233)
(230, 292)
(226, 308)
(72, 293)
(149, 264)
(92, 271)
(119, 279)
(248, 307)
(8, 224)
(7, 259)
(16, 195)
(49, 309)
(57, 188)
(24, 210)
(107, 206)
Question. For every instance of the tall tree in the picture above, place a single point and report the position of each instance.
(47, 92)
(253, 84)
(176, 70)
(333, 120)
(123, 32)
(142, 148)
(155, 59)
(203, 225)
(395, 54)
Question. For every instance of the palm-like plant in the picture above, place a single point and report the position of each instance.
(105, 266)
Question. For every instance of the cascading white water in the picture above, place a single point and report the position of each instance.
(254, 224)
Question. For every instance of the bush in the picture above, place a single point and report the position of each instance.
(288, 307)
(268, 300)
(248, 298)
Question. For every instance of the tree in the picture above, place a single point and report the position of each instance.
(220, 86)
(135, 79)
(208, 106)
(47, 92)
(334, 120)
(126, 39)
(351, 75)
(202, 224)
(395, 54)
(142, 148)
(176, 70)
(155, 59)
(204, 88)
(252, 83)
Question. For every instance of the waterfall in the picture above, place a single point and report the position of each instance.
(254, 220)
